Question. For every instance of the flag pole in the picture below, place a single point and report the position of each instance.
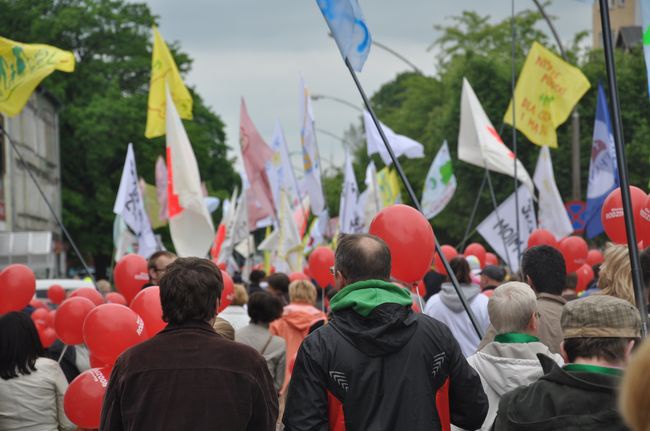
(471, 217)
(637, 279)
(49, 205)
(514, 125)
(416, 202)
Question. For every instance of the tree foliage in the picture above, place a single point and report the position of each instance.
(427, 109)
(104, 105)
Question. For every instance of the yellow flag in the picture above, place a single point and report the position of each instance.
(164, 71)
(389, 186)
(547, 90)
(23, 67)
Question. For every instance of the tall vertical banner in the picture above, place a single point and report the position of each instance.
(501, 231)
(439, 185)
(310, 158)
(552, 214)
(388, 184)
(547, 90)
(603, 171)
(279, 170)
(348, 214)
(130, 206)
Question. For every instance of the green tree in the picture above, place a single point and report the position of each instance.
(104, 106)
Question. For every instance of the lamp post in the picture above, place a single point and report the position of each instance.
(317, 97)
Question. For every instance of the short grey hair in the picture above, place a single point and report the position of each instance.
(511, 306)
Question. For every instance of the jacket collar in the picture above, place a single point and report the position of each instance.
(190, 324)
(551, 297)
(582, 380)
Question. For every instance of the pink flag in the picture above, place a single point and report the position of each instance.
(161, 187)
(256, 153)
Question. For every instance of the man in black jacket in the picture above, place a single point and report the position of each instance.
(599, 333)
(380, 360)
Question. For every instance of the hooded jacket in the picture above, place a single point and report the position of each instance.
(504, 367)
(294, 326)
(384, 363)
(447, 308)
(563, 399)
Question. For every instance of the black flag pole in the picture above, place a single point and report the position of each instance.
(414, 199)
(637, 279)
(49, 205)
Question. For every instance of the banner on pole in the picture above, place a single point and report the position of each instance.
(440, 184)
(501, 231)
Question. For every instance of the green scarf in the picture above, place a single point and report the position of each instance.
(364, 296)
(586, 368)
(515, 337)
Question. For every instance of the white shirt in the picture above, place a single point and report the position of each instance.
(236, 315)
(34, 402)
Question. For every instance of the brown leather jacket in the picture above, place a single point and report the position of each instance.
(190, 378)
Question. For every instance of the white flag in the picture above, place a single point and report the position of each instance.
(279, 170)
(552, 214)
(370, 200)
(237, 229)
(440, 184)
(130, 206)
(311, 160)
(285, 239)
(348, 214)
(123, 240)
(401, 145)
(190, 224)
(479, 143)
(502, 234)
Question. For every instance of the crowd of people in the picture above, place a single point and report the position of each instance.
(367, 354)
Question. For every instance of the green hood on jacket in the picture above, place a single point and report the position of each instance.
(364, 296)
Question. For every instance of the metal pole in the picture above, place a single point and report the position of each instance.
(471, 218)
(416, 202)
(637, 279)
(317, 97)
(49, 205)
(514, 124)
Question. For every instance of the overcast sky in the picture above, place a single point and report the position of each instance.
(258, 49)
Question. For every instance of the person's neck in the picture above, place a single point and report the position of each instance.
(598, 362)
(262, 324)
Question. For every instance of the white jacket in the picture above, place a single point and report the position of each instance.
(506, 366)
(447, 308)
(236, 315)
(34, 402)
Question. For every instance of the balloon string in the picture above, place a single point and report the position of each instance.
(65, 348)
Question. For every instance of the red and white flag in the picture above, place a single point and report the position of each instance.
(190, 223)
(256, 154)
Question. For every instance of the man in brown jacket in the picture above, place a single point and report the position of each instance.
(188, 377)
(544, 270)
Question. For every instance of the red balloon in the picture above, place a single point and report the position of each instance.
(96, 363)
(542, 237)
(611, 214)
(228, 292)
(409, 237)
(584, 274)
(306, 271)
(51, 315)
(56, 294)
(130, 275)
(476, 249)
(147, 305)
(116, 298)
(450, 253)
(17, 287)
(90, 293)
(575, 250)
(320, 262)
(83, 399)
(645, 222)
(298, 276)
(110, 329)
(491, 259)
(45, 334)
(69, 319)
(419, 288)
(594, 257)
(40, 314)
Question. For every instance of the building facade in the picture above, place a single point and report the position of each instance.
(625, 20)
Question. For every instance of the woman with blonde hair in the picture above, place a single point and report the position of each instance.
(615, 277)
(236, 313)
(297, 318)
(634, 400)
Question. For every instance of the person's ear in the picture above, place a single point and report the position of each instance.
(628, 350)
(533, 323)
(563, 353)
(529, 281)
(339, 280)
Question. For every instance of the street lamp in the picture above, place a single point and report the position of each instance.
(317, 97)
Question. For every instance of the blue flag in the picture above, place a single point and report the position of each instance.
(346, 22)
(603, 173)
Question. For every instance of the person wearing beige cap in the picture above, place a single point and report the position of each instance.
(599, 333)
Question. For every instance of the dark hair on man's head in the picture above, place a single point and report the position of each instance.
(264, 307)
(19, 345)
(546, 268)
(608, 349)
(256, 276)
(461, 269)
(189, 290)
(361, 257)
(151, 262)
(279, 281)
